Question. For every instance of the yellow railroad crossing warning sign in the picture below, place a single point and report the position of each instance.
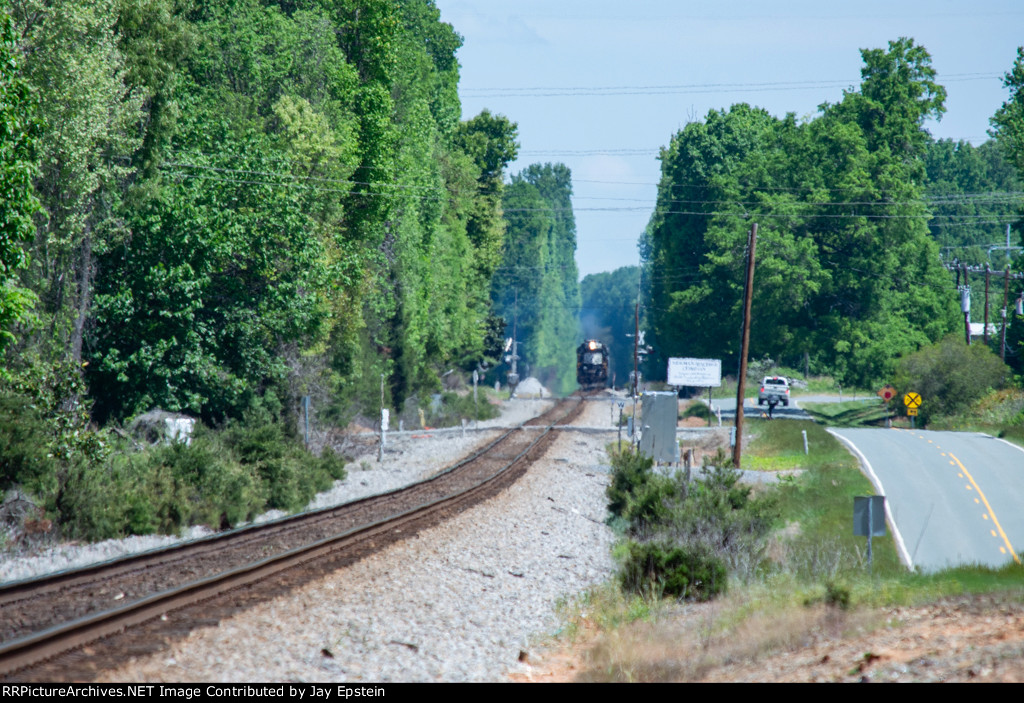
(912, 400)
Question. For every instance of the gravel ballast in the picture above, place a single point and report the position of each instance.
(458, 602)
(410, 456)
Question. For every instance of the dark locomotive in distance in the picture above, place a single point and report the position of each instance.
(592, 365)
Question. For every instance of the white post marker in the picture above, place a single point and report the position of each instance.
(384, 415)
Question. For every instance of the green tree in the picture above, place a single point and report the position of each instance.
(19, 132)
(847, 277)
(969, 191)
(1008, 122)
(220, 275)
(1008, 130)
(79, 75)
(490, 141)
(537, 283)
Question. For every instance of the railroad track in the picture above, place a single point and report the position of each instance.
(74, 624)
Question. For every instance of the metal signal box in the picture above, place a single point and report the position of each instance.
(660, 412)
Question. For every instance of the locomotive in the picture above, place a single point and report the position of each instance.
(592, 364)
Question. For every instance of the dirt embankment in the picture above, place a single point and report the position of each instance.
(967, 639)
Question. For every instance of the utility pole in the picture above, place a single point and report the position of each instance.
(636, 350)
(748, 294)
(1008, 258)
(988, 273)
(1006, 299)
(965, 306)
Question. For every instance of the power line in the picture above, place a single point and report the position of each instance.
(618, 90)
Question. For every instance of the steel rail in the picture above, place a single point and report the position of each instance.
(36, 648)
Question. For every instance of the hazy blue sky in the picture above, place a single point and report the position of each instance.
(600, 86)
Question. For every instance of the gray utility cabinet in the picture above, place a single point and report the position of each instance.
(660, 411)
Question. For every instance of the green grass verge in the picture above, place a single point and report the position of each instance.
(819, 551)
(850, 413)
(815, 559)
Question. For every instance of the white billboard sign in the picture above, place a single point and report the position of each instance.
(702, 373)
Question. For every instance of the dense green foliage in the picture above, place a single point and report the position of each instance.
(608, 313)
(218, 208)
(251, 195)
(972, 194)
(219, 480)
(19, 131)
(536, 287)
(685, 537)
(1008, 128)
(951, 375)
(847, 276)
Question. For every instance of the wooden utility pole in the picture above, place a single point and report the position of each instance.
(636, 351)
(988, 274)
(1006, 301)
(748, 294)
(965, 304)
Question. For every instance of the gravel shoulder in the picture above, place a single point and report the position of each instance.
(456, 603)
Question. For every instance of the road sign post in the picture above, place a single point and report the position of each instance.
(913, 401)
(869, 519)
(887, 393)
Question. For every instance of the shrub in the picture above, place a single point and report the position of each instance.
(697, 409)
(219, 489)
(680, 571)
(693, 532)
(332, 464)
(950, 375)
(131, 495)
(454, 407)
(650, 503)
(25, 458)
(630, 470)
(292, 476)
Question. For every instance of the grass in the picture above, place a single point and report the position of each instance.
(816, 579)
(851, 413)
(779, 445)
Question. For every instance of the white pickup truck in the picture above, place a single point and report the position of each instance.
(774, 388)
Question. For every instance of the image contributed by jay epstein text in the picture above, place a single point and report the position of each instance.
(190, 692)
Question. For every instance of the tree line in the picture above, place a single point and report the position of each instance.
(219, 208)
(856, 209)
(210, 200)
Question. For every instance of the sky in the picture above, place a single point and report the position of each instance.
(601, 86)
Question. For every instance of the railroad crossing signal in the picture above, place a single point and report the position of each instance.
(912, 400)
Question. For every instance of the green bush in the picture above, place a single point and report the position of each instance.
(130, 495)
(332, 464)
(691, 532)
(220, 479)
(220, 490)
(25, 457)
(454, 407)
(697, 409)
(950, 375)
(630, 470)
(650, 503)
(680, 571)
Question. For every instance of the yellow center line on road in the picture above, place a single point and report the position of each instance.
(988, 507)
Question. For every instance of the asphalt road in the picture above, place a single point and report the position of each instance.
(951, 497)
(752, 409)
